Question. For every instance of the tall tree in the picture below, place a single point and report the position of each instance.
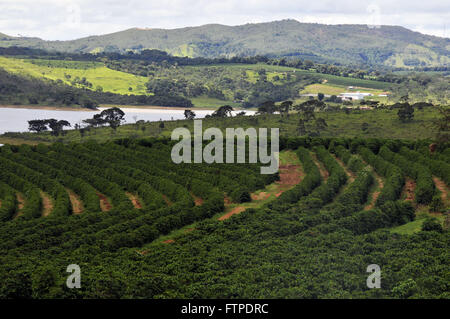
(223, 111)
(37, 125)
(442, 124)
(267, 107)
(189, 115)
(285, 107)
(113, 116)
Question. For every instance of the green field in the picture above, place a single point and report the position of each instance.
(332, 79)
(95, 73)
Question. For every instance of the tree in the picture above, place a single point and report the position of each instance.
(90, 104)
(320, 96)
(442, 124)
(405, 113)
(267, 107)
(301, 128)
(309, 115)
(223, 111)
(189, 115)
(310, 104)
(113, 116)
(57, 126)
(285, 107)
(37, 125)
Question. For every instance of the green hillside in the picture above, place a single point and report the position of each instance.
(205, 85)
(68, 71)
(354, 44)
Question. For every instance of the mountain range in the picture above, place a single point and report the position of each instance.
(391, 46)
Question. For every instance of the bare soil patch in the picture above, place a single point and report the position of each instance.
(350, 174)
(290, 175)
(197, 200)
(77, 204)
(167, 200)
(227, 201)
(260, 196)
(47, 204)
(409, 189)
(20, 204)
(234, 211)
(442, 187)
(169, 241)
(104, 202)
(376, 193)
(135, 200)
(323, 172)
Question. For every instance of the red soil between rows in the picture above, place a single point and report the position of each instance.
(350, 174)
(197, 200)
(290, 175)
(104, 202)
(167, 200)
(77, 205)
(20, 204)
(376, 193)
(134, 200)
(442, 187)
(47, 204)
(323, 172)
(409, 189)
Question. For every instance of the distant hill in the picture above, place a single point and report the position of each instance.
(348, 44)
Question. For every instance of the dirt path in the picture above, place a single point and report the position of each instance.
(350, 174)
(227, 201)
(77, 204)
(167, 200)
(323, 172)
(376, 192)
(197, 200)
(135, 200)
(260, 196)
(20, 205)
(234, 211)
(104, 202)
(409, 189)
(442, 187)
(47, 204)
(290, 175)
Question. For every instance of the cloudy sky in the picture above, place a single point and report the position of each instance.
(70, 19)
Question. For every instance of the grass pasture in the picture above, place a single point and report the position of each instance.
(95, 73)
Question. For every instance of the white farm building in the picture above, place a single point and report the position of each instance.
(354, 96)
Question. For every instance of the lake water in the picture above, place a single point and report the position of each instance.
(16, 120)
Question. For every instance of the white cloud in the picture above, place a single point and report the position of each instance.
(70, 19)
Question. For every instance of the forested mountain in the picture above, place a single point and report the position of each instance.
(348, 44)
